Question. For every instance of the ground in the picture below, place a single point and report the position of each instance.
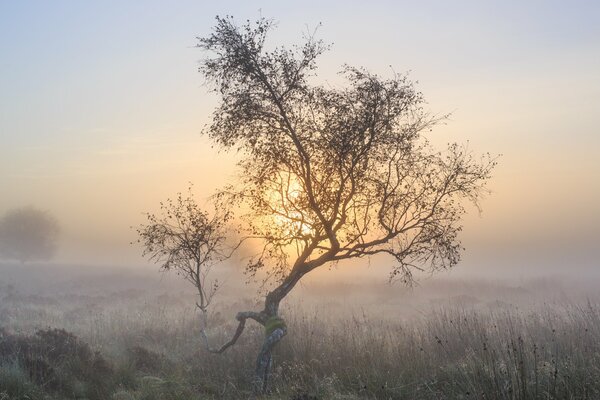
(108, 333)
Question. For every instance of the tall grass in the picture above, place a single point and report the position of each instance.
(153, 350)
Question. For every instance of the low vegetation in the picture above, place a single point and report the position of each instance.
(136, 344)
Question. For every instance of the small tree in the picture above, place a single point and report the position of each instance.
(28, 234)
(185, 239)
(330, 174)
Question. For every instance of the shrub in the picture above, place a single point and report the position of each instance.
(60, 362)
(15, 383)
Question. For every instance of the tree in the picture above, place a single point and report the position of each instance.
(187, 240)
(28, 234)
(330, 174)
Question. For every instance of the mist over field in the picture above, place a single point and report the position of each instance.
(190, 209)
(446, 338)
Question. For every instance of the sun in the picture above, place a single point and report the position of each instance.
(286, 200)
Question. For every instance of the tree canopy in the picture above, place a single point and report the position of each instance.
(334, 172)
(186, 239)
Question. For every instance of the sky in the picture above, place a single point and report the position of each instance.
(101, 109)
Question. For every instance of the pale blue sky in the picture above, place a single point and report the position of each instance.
(101, 108)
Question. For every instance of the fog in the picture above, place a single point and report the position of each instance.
(112, 127)
(105, 135)
(351, 291)
(102, 110)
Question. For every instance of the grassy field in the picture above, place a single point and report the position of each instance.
(72, 334)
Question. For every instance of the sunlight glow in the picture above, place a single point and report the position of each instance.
(284, 200)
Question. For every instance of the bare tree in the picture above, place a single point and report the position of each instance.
(28, 234)
(185, 239)
(330, 174)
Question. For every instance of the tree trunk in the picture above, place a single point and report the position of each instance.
(264, 360)
(275, 329)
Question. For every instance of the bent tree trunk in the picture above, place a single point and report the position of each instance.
(275, 329)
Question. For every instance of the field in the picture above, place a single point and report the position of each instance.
(69, 333)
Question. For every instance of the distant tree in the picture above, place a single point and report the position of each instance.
(330, 174)
(28, 234)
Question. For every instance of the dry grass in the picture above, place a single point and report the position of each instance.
(468, 348)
